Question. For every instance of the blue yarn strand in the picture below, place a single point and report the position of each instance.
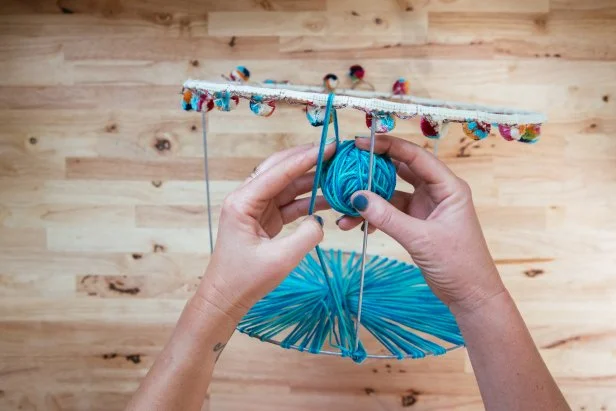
(315, 307)
(324, 131)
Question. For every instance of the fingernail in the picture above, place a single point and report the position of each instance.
(330, 140)
(319, 219)
(339, 219)
(356, 137)
(360, 202)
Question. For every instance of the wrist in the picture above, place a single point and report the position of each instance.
(494, 304)
(486, 289)
(212, 292)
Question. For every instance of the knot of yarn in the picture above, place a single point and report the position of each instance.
(347, 172)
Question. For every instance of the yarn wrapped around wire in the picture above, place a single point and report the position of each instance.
(315, 309)
(347, 172)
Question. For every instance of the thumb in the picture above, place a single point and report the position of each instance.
(387, 218)
(300, 242)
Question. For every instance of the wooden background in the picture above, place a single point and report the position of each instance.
(103, 233)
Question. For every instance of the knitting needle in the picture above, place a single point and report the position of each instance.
(365, 242)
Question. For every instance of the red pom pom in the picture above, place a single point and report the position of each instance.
(400, 87)
(429, 128)
(357, 72)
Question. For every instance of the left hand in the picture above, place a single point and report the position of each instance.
(249, 260)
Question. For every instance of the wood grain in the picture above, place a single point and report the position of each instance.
(103, 223)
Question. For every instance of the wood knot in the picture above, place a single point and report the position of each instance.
(606, 98)
(541, 23)
(408, 400)
(533, 272)
(185, 22)
(134, 358)
(163, 18)
(194, 63)
(111, 128)
(109, 356)
(232, 41)
(354, 13)
(369, 391)
(119, 289)
(65, 10)
(162, 144)
(378, 20)
(159, 248)
(193, 128)
(157, 183)
(33, 140)
(266, 5)
(137, 256)
(409, 8)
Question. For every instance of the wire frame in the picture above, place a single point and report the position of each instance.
(395, 322)
(403, 106)
(402, 317)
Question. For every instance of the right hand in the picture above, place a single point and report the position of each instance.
(437, 224)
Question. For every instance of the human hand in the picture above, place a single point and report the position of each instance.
(249, 260)
(437, 224)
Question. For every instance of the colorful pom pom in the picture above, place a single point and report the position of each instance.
(261, 107)
(401, 87)
(430, 128)
(316, 115)
(204, 103)
(225, 101)
(476, 130)
(240, 74)
(531, 133)
(330, 82)
(187, 96)
(385, 122)
(526, 133)
(357, 73)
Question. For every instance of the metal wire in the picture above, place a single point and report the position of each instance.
(338, 353)
(207, 181)
(364, 248)
(371, 101)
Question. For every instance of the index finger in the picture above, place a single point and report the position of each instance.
(423, 164)
(275, 179)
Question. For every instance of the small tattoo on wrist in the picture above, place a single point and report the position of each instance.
(218, 350)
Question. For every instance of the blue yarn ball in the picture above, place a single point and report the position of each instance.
(347, 172)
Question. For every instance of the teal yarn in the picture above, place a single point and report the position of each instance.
(347, 172)
(314, 309)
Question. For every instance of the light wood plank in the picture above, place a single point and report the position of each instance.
(133, 240)
(103, 232)
(409, 25)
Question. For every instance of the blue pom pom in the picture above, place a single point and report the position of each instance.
(347, 172)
